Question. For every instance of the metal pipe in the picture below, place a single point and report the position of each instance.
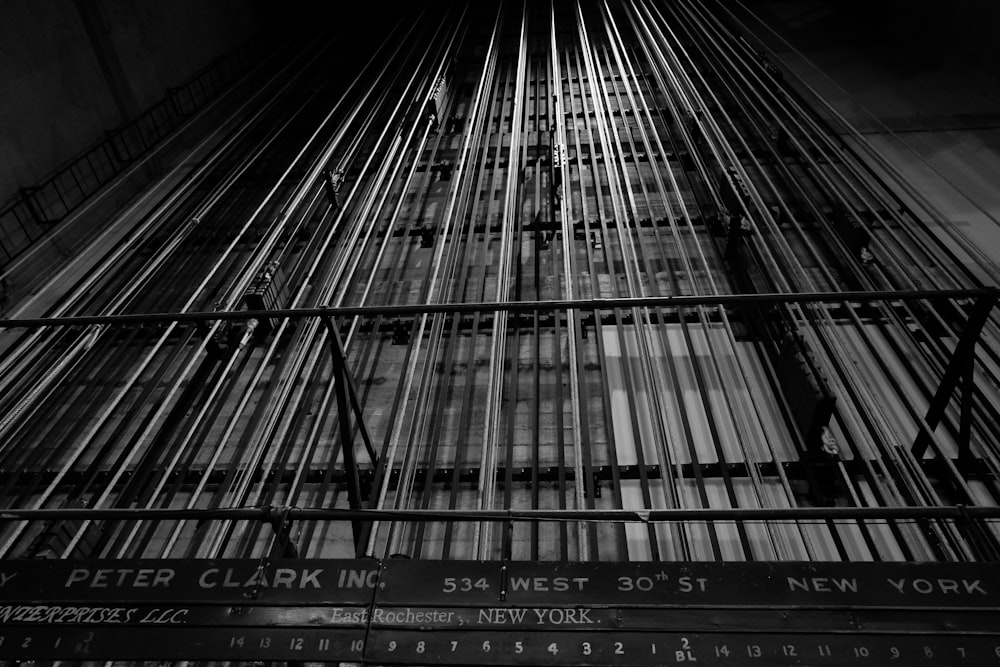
(943, 512)
(673, 301)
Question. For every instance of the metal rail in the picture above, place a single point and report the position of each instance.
(619, 303)
(267, 514)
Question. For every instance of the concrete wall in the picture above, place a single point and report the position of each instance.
(958, 37)
(961, 34)
(57, 95)
(926, 73)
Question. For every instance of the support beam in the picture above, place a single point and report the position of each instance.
(961, 367)
(391, 311)
(107, 58)
(337, 348)
(267, 514)
(341, 379)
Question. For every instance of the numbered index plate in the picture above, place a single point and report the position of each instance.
(130, 643)
(656, 649)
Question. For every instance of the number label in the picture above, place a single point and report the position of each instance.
(626, 584)
(465, 584)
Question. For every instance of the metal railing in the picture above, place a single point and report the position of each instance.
(36, 209)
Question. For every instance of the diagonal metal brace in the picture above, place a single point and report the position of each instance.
(344, 387)
(340, 360)
(961, 367)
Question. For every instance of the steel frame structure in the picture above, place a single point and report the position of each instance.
(586, 263)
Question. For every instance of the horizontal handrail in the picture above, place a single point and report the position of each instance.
(509, 306)
(271, 513)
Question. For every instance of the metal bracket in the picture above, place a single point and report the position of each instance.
(282, 524)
